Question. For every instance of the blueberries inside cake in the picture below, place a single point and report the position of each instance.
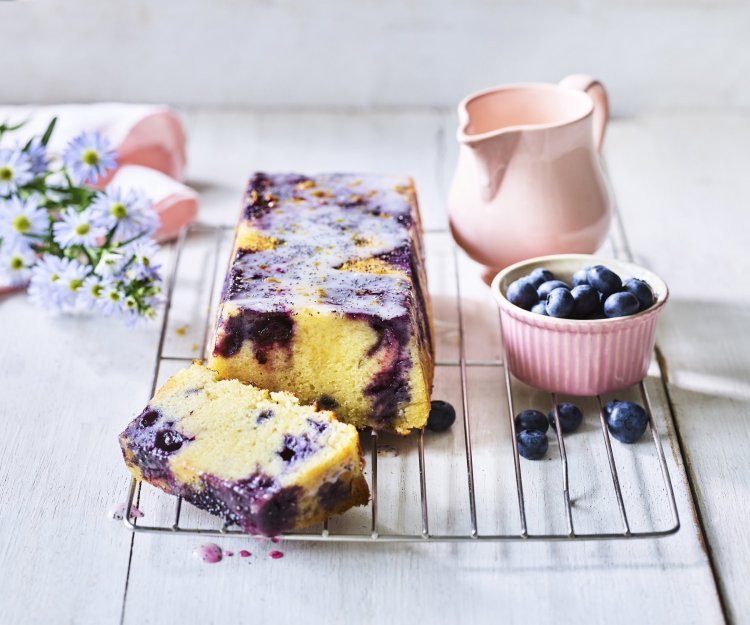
(256, 458)
(326, 297)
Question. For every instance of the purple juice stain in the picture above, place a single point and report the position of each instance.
(296, 448)
(264, 329)
(275, 555)
(117, 512)
(210, 553)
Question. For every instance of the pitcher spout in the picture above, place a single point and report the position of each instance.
(492, 153)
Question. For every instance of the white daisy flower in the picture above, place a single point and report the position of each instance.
(55, 282)
(143, 253)
(76, 228)
(131, 213)
(15, 264)
(112, 302)
(89, 156)
(19, 218)
(110, 264)
(15, 170)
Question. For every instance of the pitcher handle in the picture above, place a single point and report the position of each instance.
(598, 94)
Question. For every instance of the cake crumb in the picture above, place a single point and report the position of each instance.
(181, 331)
(195, 347)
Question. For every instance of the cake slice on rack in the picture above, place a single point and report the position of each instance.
(255, 458)
(326, 297)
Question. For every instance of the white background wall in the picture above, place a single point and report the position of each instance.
(653, 55)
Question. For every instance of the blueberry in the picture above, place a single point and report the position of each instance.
(604, 280)
(570, 417)
(580, 277)
(326, 402)
(522, 293)
(621, 305)
(168, 441)
(531, 420)
(626, 420)
(149, 417)
(540, 308)
(264, 415)
(540, 276)
(532, 444)
(586, 300)
(560, 303)
(442, 416)
(642, 291)
(547, 287)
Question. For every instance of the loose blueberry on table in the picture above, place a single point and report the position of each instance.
(531, 420)
(532, 444)
(626, 420)
(570, 417)
(442, 416)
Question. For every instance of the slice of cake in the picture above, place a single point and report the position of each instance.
(326, 297)
(255, 458)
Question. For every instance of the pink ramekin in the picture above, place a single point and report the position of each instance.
(572, 356)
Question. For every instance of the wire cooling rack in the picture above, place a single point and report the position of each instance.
(612, 482)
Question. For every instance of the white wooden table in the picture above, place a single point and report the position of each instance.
(69, 385)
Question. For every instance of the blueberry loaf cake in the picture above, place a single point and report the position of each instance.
(255, 458)
(326, 297)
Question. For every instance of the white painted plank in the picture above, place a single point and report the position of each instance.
(568, 583)
(682, 185)
(67, 386)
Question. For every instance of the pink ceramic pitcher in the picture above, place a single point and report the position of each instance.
(529, 181)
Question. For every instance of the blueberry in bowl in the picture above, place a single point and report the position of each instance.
(586, 300)
(547, 287)
(523, 294)
(621, 304)
(641, 290)
(604, 280)
(602, 343)
(560, 303)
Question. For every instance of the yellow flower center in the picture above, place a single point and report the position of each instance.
(82, 229)
(75, 284)
(114, 296)
(118, 210)
(54, 277)
(16, 263)
(96, 290)
(21, 224)
(90, 157)
(6, 173)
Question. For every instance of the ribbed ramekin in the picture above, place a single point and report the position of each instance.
(572, 356)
